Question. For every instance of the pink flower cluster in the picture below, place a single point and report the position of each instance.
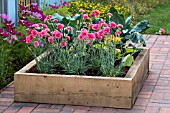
(98, 34)
(34, 34)
(162, 31)
(95, 13)
(47, 18)
(91, 33)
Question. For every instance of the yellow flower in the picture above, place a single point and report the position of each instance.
(70, 49)
(118, 39)
(117, 7)
(77, 3)
(124, 0)
(118, 50)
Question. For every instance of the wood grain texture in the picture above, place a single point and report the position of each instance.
(82, 90)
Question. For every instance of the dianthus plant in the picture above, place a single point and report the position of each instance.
(75, 47)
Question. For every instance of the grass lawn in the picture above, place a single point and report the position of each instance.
(158, 18)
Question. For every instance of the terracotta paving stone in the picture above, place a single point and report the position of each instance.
(99, 109)
(5, 103)
(109, 110)
(161, 101)
(167, 95)
(152, 78)
(12, 109)
(26, 110)
(57, 106)
(44, 106)
(3, 107)
(147, 88)
(143, 96)
(162, 82)
(155, 71)
(66, 111)
(157, 66)
(167, 62)
(68, 108)
(164, 110)
(82, 107)
(129, 111)
(45, 110)
(151, 109)
(165, 72)
(19, 104)
(167, 105)
(141, 101)
(154, 96)
(7, 92)
(138, 107)
(80, 111)
(165, 76)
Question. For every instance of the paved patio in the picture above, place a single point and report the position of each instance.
(154, 97)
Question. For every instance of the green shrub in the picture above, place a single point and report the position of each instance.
(12, 57)
(62, 11)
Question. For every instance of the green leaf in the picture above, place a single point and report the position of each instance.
(73, 23)
(113, 10)
(129, 50)
(77, 17)
(140, 38)
(118, 19)
(57, 16)
(68, 17)
(128, 60)
(65, 21)
(96, 20)
(128, 22)
(129, 36)
(140, 27)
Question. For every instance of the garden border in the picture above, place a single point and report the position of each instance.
(82, 90)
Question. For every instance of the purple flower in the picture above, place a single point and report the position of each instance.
(54, 7)
(37, 15)
(14, 37)
(5, 34)
(4, 16)
(0, 30)
(26, 11)
(73, 15)
(34, 4)
(22, 39)
(13, 32)
(42, 45)
(5, 38)
(22, 7)
(10, 41)
(64, 3)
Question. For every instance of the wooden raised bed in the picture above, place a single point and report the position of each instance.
(82, 90)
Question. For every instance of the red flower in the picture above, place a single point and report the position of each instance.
(63, 44)
(162, 31)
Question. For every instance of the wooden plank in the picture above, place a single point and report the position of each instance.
(73, 90)
(82, 90)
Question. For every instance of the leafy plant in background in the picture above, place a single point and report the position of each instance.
(102, 6)
(62, 9)
(13, 53)
(29, 15)
(77, 47)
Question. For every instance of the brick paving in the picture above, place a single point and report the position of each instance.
(154, 96)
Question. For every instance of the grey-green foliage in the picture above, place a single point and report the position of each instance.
(129, 32)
